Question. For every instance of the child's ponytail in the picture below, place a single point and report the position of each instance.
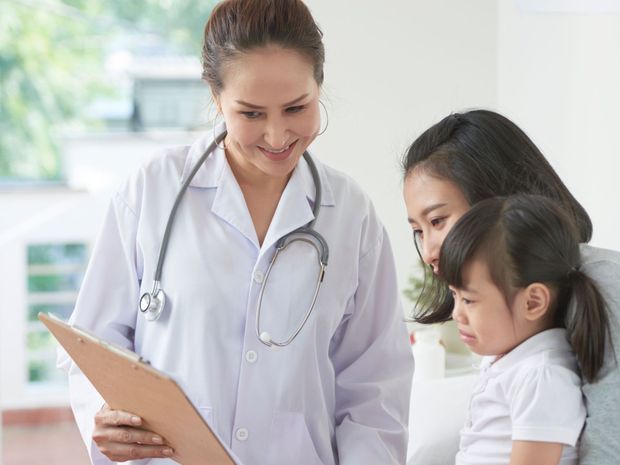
(587, 324)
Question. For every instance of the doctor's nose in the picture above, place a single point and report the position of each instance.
(276, 135)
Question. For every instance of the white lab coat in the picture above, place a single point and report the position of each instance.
(338, 394)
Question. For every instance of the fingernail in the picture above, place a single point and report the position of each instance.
(168, 451)
(157, 440)
(135, 420)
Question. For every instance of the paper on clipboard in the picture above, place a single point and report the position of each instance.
(127, 383)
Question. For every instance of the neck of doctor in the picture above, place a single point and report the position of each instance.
(261, 192)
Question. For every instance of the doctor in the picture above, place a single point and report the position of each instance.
(284, 370)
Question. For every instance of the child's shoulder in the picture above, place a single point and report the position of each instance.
(545, 360)
(547, 376)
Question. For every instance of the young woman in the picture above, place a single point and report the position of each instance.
(292, 346)
(472, 156)
(513, 269)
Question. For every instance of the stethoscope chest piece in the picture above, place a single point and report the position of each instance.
(153, 303)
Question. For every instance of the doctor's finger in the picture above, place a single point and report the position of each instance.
(107, 416)
(129, 435)
(124, 452)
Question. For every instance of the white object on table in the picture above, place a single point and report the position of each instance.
(429, 355)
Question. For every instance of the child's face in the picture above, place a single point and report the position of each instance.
(485, 321)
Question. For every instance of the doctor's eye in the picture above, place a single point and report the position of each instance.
(418, 235)
(251, 114)
(295, 109)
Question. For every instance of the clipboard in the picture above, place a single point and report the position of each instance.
(127, 382)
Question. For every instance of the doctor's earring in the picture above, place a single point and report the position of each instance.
(322, 131)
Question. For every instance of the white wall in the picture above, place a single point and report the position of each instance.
(393, 68)
(559, 79)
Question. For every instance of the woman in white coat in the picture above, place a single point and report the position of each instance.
(339, 392)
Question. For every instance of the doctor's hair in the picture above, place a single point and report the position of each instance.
(525, 239)
(240, 26)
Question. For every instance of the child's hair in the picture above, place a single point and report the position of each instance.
(527, 239)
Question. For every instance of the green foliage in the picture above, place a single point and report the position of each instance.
(60, 310)
(54, 282)
(46, 254)
(48, 67)
(51, 66)
(40, 340)
(40, 371)
(416, 284)
(179, 22)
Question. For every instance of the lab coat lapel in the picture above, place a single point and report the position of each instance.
(229, 204)
(294, 209)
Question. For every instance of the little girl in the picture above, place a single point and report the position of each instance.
(520, 300)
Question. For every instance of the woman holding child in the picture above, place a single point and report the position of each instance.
(552, 299)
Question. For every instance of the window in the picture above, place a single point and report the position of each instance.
(55, 272)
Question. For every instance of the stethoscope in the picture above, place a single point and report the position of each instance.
(152, 303)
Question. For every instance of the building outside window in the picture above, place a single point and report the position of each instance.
(55, 272)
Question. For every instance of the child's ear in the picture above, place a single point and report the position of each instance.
(537, 298)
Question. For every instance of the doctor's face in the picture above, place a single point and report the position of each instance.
(270, 102)
(434, 205)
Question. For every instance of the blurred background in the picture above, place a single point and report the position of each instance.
(90, 89)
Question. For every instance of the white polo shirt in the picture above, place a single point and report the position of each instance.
(533, 393)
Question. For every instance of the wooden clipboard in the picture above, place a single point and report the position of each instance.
(129, 383)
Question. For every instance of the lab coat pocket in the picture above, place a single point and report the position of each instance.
(291, 441)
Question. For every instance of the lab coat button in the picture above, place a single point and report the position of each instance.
(259, 276)
(241, 434)
(251, 356)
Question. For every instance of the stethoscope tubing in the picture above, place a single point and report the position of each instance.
(152, 304)
(177, 201)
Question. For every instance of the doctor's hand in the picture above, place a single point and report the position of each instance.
(119, 437)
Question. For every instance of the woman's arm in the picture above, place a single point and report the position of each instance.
(535, 453)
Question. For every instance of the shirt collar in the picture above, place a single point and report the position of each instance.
(550, 339)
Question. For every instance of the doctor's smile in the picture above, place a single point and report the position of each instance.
(278, 155)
